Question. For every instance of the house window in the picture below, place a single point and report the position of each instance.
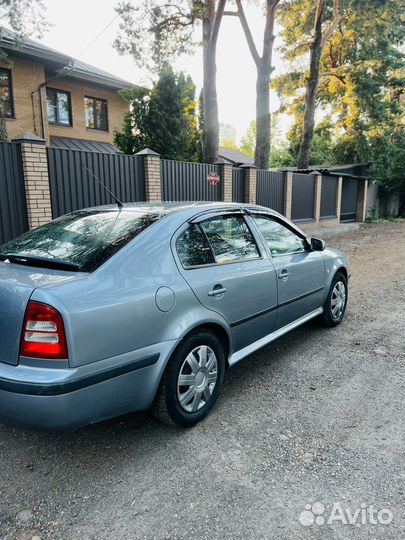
(6, 93)
(96, 113)
(59, 107)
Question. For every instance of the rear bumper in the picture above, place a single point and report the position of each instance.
(55, 399)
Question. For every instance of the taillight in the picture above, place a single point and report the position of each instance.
(43, 332)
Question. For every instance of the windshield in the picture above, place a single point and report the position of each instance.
(83, 239)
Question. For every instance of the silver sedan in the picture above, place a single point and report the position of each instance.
(113, 309)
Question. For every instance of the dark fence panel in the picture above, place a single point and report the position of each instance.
(13, 206)
(270, 189)
(73, 187)
(348, 210)
(183, 181)
(303, 193)
(238, 185)
(328, 196)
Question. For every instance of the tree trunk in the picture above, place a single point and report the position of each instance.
(304, 154)
(264, 69)
(211, 22)
(263, 119)
(211, 122)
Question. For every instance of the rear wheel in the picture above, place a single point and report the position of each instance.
(334, 308)
(192, 380)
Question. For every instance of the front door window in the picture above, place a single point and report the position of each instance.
(280, 239)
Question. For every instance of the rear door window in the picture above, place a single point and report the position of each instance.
(84, 238)
(193, 248)
(230, 238)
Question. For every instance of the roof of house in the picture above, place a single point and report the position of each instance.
(58, 63)
(68, 143)
(235, 157)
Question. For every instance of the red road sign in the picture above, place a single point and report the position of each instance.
(213, 178)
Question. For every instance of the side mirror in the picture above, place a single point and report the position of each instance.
(317, 244)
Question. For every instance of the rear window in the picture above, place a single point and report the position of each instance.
(86, 239)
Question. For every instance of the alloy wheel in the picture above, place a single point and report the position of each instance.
(338, 300)
(197, 378)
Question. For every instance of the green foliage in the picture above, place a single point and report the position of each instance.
(374, 213)
(153, 32)
(26, 17)
(361, 93)
(281, 157)
(229, 143)
(248, 141)
(163, 119)
(388, 152)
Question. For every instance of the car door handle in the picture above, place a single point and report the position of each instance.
(216, 291)
(284, 274)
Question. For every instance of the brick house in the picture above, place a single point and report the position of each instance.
(68, 103)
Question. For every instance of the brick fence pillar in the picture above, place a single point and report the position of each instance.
(288, 187)
(250, 183)
(36, 179)
(339, 197)
(226, 182)
(362, 201)
(153, 186)
(317, 197)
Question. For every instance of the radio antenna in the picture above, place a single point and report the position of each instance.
(116, 199)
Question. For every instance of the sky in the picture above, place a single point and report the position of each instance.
(75, 24)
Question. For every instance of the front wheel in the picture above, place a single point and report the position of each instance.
(192, 380)
(334, 308)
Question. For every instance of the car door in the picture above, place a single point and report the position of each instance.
(300, 271)
(220, 259)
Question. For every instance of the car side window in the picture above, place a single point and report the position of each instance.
(193, 248)
(230, 238)
(279, 238)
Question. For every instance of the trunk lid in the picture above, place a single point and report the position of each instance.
(17, 284)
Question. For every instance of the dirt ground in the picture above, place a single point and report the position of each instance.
(316, 417)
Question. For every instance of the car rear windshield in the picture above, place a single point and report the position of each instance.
(83, 239)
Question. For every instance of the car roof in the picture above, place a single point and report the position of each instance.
(166, 208)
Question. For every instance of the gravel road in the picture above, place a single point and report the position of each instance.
(317, 417)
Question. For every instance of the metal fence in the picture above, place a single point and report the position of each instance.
(183, 181)
(73, 187)
(303, 193)
(270, 189)
(13, 206)
(328, 196)
(348, 210)
(238, 185)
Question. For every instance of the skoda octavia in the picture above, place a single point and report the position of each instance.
(115, 309)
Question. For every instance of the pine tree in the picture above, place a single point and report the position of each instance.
(163, 118)
(361, 83)
(154, 32)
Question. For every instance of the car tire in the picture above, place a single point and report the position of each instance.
(199, 363)
(334, 308)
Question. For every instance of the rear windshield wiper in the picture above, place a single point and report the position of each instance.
(41, 262)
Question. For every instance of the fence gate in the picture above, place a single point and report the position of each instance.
(348, 210)
(328, 197)
(73, 187)
(270, 189)
(13, 206)
(303, 193)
